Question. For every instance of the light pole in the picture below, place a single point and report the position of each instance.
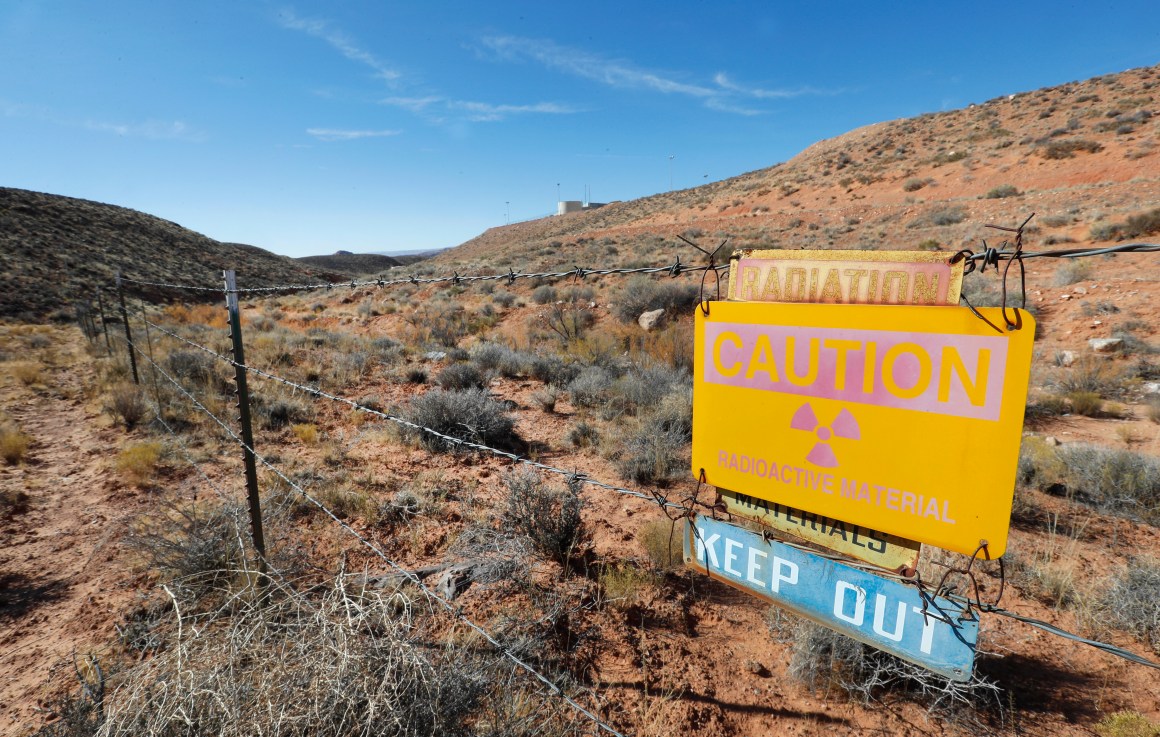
(507, 213)
(557, 191)
(671, 157)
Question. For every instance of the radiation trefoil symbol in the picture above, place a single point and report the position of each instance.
(843, 426)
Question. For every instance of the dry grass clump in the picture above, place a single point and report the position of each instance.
(305, 432)
(137, 462)
(1072, 271)
(13, 445)
(27, 373)
(663, 541)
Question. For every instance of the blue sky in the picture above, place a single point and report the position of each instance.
(310, 127)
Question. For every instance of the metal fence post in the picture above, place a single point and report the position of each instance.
(104, 322)
(128, 334)
(244, 421)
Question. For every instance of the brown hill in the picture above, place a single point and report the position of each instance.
(354, 264)
(55, 250)
(1081, 155)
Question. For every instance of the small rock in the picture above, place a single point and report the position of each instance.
(1097, 322)
(592, 305)
(1051, 440)
(435, 355)
(1106, 345)
(1152, 387)
(1079, 290)
(1066, 358)
(1065, 297)
(651, 319)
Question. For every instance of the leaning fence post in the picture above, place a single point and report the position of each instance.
(128, 334)
(244, 421)
(104, 322)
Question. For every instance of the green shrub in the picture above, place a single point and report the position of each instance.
(470, 415)
(583, 435)
(913, 184)
(1119, 481)
(274, 414)
(650, 457)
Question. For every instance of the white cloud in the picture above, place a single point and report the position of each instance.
(335, 134)
(156, 130)
(340, 42)
(486, 112)
(724, 95)
(590, 66)
(725, 83)
(413, 104)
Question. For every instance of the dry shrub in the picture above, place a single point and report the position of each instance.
(13, 445)
(546, 515)
(470, 415)
(198, 547)
(137, 461)
(352, 662)
(26, 372)
(1133, 600)
(214, 316)
(829, 662)
(127, 403)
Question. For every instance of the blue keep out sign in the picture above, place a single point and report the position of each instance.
(880, 612)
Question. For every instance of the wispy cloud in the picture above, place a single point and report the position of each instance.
(335, 134)
(439, 109)
(724, 82)
(723, 94)
(339, 41)
(156, 130)
(584, 64)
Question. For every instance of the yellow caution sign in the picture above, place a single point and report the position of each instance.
(901, 419)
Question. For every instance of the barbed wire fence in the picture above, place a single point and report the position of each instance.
(674, 509)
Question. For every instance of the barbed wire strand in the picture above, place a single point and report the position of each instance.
(674, 269)
(570, 474)
(411, 577)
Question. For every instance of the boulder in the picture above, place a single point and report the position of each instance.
(1066, 358)
(1106, 345)
(651, 320)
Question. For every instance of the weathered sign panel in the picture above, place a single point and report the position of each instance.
(902, 419)
(886, 551)
(845, 277)
(880, 612)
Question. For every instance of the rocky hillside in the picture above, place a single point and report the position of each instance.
(55, 249)
(355, 264)
(1082, 156)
